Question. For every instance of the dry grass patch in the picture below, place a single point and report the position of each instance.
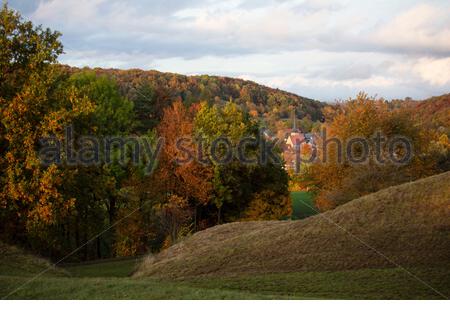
(409, 224)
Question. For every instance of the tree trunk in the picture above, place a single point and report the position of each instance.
(219, 217)
(86, 246)
(112, 209)
(77, 232)
(99, 253)
(195, 219)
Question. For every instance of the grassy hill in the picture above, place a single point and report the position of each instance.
(16, 262)
(307, 259)
(406, 225)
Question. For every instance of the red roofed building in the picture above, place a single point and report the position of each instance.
(295, 142)
(295, 139)
(295, 136)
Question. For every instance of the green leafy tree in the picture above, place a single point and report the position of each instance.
(113, 113)
(236, 183)
(97, 188)
(147, 111)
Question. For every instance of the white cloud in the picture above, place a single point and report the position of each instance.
(423, 28)
(319, 48)
(69, 13)
(434, 71)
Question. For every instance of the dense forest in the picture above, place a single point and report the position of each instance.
(151, 91)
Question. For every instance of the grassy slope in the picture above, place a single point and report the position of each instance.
(108, 280)
(409, 223)
(302, 205)
(15, 262)
(22, 275)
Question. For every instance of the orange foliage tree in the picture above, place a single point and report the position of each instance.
(337, 180)
(33, 105)
(190, 179)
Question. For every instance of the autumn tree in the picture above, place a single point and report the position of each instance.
(175, 217)
(268, 205)
(179, 174)
(56, 206)
(182, 177)
(32, 105)
(141, 228)
(337, 179)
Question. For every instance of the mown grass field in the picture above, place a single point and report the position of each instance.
(302, 205)
(115, 268)
(109, 280)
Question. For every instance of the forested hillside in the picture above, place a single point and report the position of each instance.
(152, 91)
(432, 113)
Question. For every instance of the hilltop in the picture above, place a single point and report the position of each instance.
(431, 113)
(161, 88)
(434, 112)
(393, 227)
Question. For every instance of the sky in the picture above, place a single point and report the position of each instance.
(326, 50)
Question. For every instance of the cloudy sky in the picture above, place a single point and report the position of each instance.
(321, 49)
